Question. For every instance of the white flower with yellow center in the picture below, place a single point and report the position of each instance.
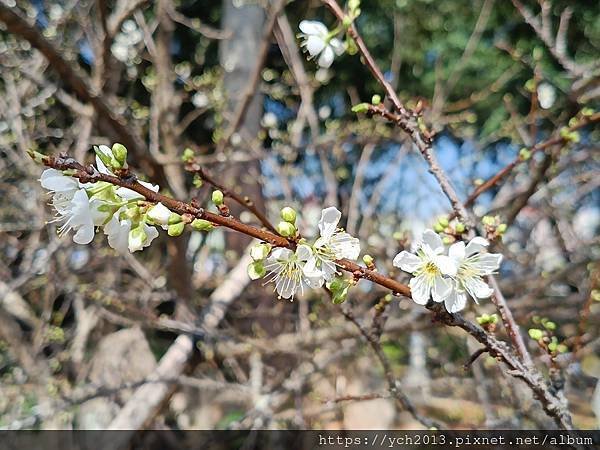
(429, 268)
(472, 265)
(318, 41)
(286, 270)
(332, 244)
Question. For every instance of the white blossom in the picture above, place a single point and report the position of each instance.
(319, 42)
(429, 268)
(472, 265)
(286, 270)
(332, 244)
(124, 235)
(160, 214)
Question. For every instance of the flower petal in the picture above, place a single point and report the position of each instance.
(326, 58)
(330, 217)
(420, 289)
(476, 245)
(407, 261)
(101, 167)
(314, 45)
(487, 263)
(337, 46)
(477, 287)
(303, 252)
(457, 251)
(55, 181)
(441, 289)
(455, 301)
(433, 240)
(313, 27)
(447, 265)
(345, 246)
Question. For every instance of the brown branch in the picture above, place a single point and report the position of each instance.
(245, 202)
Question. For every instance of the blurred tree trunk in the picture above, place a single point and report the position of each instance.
(238, 57)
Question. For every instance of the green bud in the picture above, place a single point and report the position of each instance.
(502, 228)
(524, 154)
(106, 159)
(536, 334)
(256, 270)
(562, 348)
(397, 235)
(575, 137)
(286, 229)
(202, 225)
(483, 319)
(530, 85)
(288, 214)
(188, 155)
(550, 326)
(347, 21)
(341, 296)
(360, 108)
(217, 197)
(438, 228)
(447, 240)
(459, 227)
(368, 260)
(353, 4)
(174, 218)
(587, 112)
(573, 121)
(120, 154)
(337, 284)
(443, 221)
(488, 220)
(493, 318)
(376, 99)
(197, 181)
(552, 346)
(260, 251)
(176, 229)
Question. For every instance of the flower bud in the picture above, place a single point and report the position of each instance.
(360, 108)
(256, 270)
(174, 218)
(376, 99)
(176, 229)
(368, 260)
(286, 229)
(447, 240)
(524, 154)
(260, 251)
(188, 155)
(550, 326)
(120, 154)
(488, 220)
(159, 214)
(502, 228)
(459, 227)
(217, 197)
(443, 221)
(536, 334)
(202, 225)
(438, 228)
(289, 215)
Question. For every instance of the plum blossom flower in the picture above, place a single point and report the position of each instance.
(319, 42)
(429, 268)
(160, 214)
(332, 244)
(286, 270)
(472, 265)
(125, 235)
(74, 209)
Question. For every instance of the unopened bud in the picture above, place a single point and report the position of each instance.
(376, 99)
(502, 228)
(524, 154)
(360, 108)
(286, 229)
(438, 228)
(536, 334)
(202, 225)
(459, 227)
(176, 229)
(260, 251)
(256, 270)
(174, 218)
(188, 155)
(443, 221)
(217, 197)
(289, 215)
(368, 260)
(488, 220)
(120, 154)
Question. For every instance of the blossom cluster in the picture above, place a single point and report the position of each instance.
(82, 207)
(449, 278)
(308, 266)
